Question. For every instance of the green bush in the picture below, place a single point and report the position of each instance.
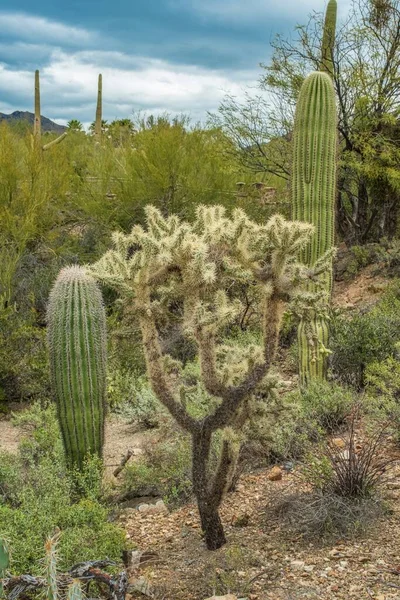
(326, 404)
(360, 340)
(383, 392)
(131, 396)
(38, 494)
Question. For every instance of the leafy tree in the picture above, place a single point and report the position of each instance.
(366, 65)
(74, 125)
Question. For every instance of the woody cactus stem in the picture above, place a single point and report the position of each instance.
(37, 121)
(313, 201)
(328, 39)
(97, 129)
(77, 344)
(4, 563)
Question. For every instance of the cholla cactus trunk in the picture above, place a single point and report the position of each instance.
(77, 343)
(313, 201)
(328, 39)
(4, 563)
(97, 128)
(37, 122)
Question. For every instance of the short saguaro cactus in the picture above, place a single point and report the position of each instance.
(77, 345)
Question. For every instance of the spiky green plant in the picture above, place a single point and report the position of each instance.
(192, 265)
(313, 201)
(328, 38)
(97, 128)
(50, 561)
(77, 345)
(4, 563)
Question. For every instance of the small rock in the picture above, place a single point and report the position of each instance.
(275, 474)
(339, 443)
(227, 597)
(297, 564)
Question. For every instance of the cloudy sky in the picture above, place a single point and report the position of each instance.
(179, 56)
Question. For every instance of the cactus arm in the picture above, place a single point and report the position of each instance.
(328, 38)
(75, 591)
(97, 129)
(77, 344)
(56, 141)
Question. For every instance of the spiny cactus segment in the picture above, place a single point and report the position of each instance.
(313, 201)
(328, 39)
(77, 344)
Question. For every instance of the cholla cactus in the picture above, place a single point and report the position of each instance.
(50, 562)
(4, 563)
(77, 344)
(193, 265)
(313, 200)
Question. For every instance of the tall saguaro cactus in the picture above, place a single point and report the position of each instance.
(97, 128)
(313, 201)
(328, 38)
(77, 344)
(37, 125)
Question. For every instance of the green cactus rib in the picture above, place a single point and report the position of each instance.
(97, 129)
(328, 38)
(313, 200)
(4, 563)
(77, 345)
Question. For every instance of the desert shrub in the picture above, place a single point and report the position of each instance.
(362, 339)
(132, 397)
(163, 470)
(23, 358)
(342, 488)
(326, 404)
(38, 494)
(383, 392)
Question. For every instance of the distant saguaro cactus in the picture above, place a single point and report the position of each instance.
(4, 563)
(37, 123)
(328, 39)
(97, 128)
(37, 126)
(313, 201)
(77, 344)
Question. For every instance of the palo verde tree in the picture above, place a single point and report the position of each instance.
(173, 263)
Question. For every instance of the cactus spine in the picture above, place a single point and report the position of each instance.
(77, 345)
(4, 563)
(313, 201)
(97, 128)
(328, 38)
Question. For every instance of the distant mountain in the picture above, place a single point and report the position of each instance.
(19, 115)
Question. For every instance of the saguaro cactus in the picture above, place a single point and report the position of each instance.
(77, 344)
(37, 127)
(328, 38)
(97, 128)
(4, 563)
(37, 123)
(313, 201)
